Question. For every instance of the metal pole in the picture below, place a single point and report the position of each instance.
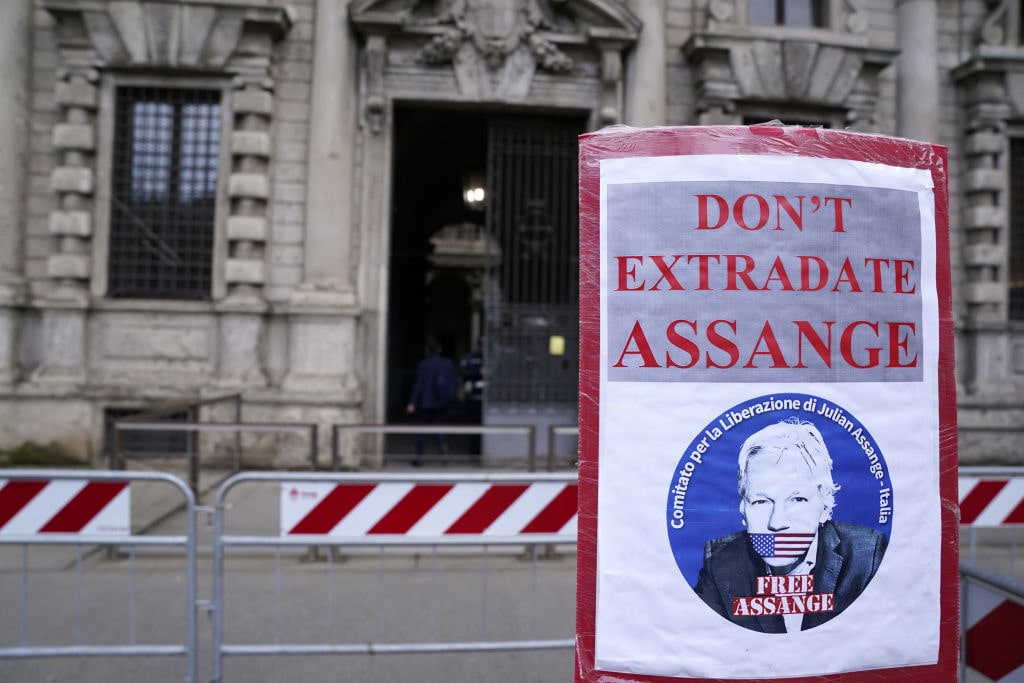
(314, 436)
(191, 581)
(531, 451)
(193, 467)
(117, 456)
(217, 607)
(335, 456)
(238, 433)
(551, 447)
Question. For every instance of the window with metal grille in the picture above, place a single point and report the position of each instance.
(1015, 265)
(788, 12)
(151, 444)
(163, 194)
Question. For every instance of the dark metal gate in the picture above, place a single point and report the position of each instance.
(532, 297)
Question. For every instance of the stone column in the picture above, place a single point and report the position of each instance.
(918, 70)
(645, 72)
(332, 136)
(985, 346)
(15, 51)
(322, 327)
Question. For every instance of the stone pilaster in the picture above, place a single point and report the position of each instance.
(241, 312)
(62, 363)
(321, 354)
(918, 70)
(63, 359)
(986, 353)
(14, 135)
(332, 137)
(322, 322)
(241, 342)
(249, 192)
(646, 87)
(73, 181)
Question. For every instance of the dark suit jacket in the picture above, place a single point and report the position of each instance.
(424, 391)
(848, 556)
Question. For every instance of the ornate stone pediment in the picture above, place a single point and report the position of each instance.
(832, 67)
(182, 34)
(494, 47)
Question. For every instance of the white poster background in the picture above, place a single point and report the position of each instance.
(648, 619)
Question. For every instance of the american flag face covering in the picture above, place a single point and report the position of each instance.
(783, 546)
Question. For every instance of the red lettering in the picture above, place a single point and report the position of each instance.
(778, 274)
(666, 272)
(822, 347)
(743, 273)
(680, 342)
(643, 349)
(626, 273)
(796, 216)
(846, 345)
(762, 212)
(702, 211)
(767, 336)
(898, 344)
(876, 269)
(805, 273)
(838, 202)
(903, 276)
(703, 261)
(722, 343)
(847, 275)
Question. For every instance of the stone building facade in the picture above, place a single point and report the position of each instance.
(234, 196)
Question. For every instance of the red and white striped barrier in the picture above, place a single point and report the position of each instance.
(991, 501)
(992, 640)
(428, 509)
(64, 506)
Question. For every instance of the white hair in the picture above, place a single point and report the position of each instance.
(792, 435)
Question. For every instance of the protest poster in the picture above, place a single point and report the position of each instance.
(767, 407)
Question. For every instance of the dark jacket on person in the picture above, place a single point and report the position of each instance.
(435, 376)
(848, 556)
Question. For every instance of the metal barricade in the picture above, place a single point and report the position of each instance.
(556, 431)
(991, 624)
(992, 517)
(406, 527)
(84, 509)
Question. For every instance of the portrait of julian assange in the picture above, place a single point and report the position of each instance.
(793, 567)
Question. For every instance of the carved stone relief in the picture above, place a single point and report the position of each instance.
(495, 48)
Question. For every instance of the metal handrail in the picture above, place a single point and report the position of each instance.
(378, 428)
(122, 426)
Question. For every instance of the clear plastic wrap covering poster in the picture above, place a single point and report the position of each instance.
(767, 329)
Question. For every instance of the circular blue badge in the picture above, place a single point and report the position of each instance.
(778, 487)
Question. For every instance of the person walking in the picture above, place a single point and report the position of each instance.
(435, 388)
